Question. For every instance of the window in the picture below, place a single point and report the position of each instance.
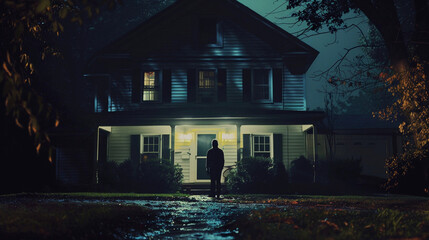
(151, 147)
(261, 85)
(151, 86)
(261, 146)
(206, 88)
(209, 32)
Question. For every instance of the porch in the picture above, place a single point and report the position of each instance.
(187, 145)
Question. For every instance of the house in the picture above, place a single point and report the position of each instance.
(201, 70)
(358, 137)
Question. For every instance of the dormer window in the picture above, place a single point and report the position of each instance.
(209, 34)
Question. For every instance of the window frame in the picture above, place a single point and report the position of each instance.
(219, 32)
(158, 76)
(142, 152)
(215, 87)
(271, 146)
(270, 85)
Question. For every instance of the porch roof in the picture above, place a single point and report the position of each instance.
(207, 116)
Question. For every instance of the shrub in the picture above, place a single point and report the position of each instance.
(256, 175)
(151, 175)
(301, 170)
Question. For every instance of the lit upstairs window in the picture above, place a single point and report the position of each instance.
(151, 86)
(206, 90)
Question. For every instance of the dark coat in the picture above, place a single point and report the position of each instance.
(215, 159)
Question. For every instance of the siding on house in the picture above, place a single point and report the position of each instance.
(120, 139)
(292, 136)
(372, 150)
(241, 50)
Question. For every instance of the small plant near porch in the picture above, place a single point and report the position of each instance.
(149, 176)
(257, 175)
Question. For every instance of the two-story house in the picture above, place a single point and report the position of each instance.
(202, 70)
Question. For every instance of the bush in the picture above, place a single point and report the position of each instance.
(301, 170)
(151, 175)
(257, 175)
(343, 172)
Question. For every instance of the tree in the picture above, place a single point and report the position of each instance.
(404, 30)
(28, 30)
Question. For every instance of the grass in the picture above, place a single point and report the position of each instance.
(53, 220)
(317, 223)
(99, 195)
(348, 201)
(333, 217)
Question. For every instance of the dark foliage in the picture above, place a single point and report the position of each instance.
(257, 175)
(415, 179)
(149, 176)
(301, 170)
(337, 172)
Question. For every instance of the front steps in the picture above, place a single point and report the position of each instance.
(199, 188)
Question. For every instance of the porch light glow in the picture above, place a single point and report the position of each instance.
(185, 137)
(227, 136)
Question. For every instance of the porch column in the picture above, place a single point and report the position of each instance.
(314, 153)
(173, 136)
(238, 142)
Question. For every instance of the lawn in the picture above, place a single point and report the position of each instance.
(100, 216)
(66, 220)
(333, 217)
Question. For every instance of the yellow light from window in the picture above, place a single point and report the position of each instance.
(185, 137)
(227, 136)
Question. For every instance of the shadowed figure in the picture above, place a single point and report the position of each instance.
(214, 166)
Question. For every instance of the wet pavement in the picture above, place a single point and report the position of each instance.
(200, 218)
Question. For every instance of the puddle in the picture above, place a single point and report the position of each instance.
(200, 218)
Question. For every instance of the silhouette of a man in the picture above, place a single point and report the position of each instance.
(214, 166)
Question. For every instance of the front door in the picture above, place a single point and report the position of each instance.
(204, 143)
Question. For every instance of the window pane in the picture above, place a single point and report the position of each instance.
(155, 148)
(146, 148)
(256, 139)
(156, 140)
(267, 148)
(261, 76)
(151, 86)
(256, 147)
(146, 140)
(206, 79)
(150, 140)
(261, 93)
(150, 148)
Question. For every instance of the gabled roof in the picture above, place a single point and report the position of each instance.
(288, 46)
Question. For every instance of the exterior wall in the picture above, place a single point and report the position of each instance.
(293, 139)
(186, 147)
(371, 149)
(120, 139)
(240, 50)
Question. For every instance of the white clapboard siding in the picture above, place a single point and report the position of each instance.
(293, 92)
(292, 136)
(120, 139)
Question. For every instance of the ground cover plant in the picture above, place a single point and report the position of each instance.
(257, 175)
(67, 220)
(333, 217)
(319, 223)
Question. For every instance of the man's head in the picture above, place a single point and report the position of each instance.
(215, 143)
